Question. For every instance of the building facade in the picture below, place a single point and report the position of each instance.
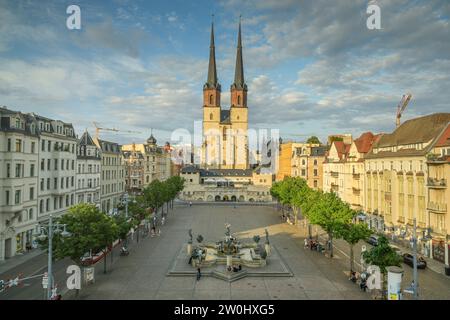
(397, 174)
(146, 162)
(112, 180)
(88, 171)
(303, 160)
(19, 165)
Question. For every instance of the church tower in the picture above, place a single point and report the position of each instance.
(211, 109)
(239, 111)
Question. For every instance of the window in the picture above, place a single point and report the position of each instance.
(17, 197)
(315, 162)
(42, 184)
(48, 183)
(18, 145)
(7, 197)
(56, 164)
(211, 99)
(30, 214)
(8, 170)
(210, 116)
(47, 205)
(62, 164)
(33, 146)
(41, 206)
(55, 203)
(31, 193)
(43, 145)
(55, 183)
(18, 170)
(31, 170)
(315, 183)
(49, 145)
(303, 172)
(73, 164)
(42, 164)
(315, 173)
(72, 181)
(239, 100)
(67, 200)
(48, 164)
(9, 145)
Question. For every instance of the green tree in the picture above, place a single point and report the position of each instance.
(352, 233)
(124, 226)
(382, 256)
(329, 212)
(313, 140)
(90, 229)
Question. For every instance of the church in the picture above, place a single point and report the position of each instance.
(225, 140)
(224, 173)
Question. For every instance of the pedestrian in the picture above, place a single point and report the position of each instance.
(199, 273)
(306, 243)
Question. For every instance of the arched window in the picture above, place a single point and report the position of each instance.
(210, 116)
(239, 100)
(211, 99)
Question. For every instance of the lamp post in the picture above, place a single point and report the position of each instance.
(48, 232)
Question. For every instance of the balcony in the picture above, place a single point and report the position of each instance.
(356, 191)
(437, 183)
(436, 159)
(334, 187)
(356, 176)
(334, 174)
(437, 207)
(387, 196)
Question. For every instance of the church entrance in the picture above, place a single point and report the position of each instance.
(225, 198)
(233, 198)
(217, 198)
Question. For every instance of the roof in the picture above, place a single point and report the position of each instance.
(418, 130)
(342, 148)
(318, 151)
(444, 139)
(365, 141)
(86, 140)
(211, 81)
(239, 82)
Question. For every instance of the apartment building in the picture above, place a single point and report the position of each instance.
(88, 171)
(344, 168)
(397, 177)
(304, 160)
(19, 171)
(112, 180)
(146, 162)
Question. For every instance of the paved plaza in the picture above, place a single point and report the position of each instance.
(144, 273)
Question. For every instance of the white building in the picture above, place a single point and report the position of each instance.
(18, 181)
(88, 171)
(57, 157)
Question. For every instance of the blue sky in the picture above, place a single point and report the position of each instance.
(312, 67)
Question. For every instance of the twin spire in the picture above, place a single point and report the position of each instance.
(212, 81)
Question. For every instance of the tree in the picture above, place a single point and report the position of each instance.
(382, 256)
(313, 140)
(90, 229)
(329, 212)
(124, 226)
(352, 233)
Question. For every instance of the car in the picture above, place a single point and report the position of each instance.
(396, 249)
(373, 240)
(409, 260)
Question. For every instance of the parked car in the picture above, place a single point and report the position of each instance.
(373, 240)
(396, 249)
(408, 259)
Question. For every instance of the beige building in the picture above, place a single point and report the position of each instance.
(146, 162)
(112, 180)
(304, 160)
(397, 175)
(225, 185)
(344, 168)
(438, 163)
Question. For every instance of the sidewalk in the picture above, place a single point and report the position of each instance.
(17, 260)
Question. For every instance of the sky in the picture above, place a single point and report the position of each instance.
(312, 67)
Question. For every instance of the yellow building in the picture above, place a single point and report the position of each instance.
(396, 177)
(344, 168)
(302, 160)
(225, 141)
(438, 163)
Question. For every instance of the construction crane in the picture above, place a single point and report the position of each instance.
(98, 128)
(401, 107)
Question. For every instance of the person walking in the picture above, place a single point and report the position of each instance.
(199, 273)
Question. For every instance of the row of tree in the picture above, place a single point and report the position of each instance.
(335, 217)
(94, 231)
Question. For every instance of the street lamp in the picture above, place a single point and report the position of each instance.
(47, 232)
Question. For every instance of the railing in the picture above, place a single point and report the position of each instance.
(437, 183)
(356, 176)
(437, 207)
(334, 174)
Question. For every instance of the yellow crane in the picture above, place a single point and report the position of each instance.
(98, 128)
(401, 107)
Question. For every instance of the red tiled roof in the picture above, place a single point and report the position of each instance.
(342, 148)
(444, 139)
(365, 141)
